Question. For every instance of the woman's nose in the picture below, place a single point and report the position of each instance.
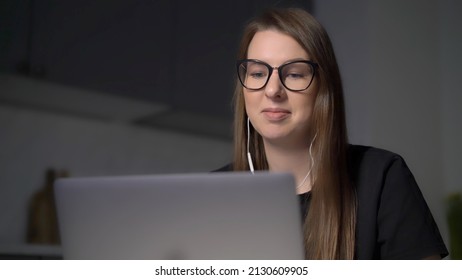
(274, 87)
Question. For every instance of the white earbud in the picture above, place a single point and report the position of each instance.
(249, 157)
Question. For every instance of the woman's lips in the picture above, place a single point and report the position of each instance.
(275, 114)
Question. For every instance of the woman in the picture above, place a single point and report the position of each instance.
(357, 202)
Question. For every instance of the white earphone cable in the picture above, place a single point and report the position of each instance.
(311, 167)
(249, 157)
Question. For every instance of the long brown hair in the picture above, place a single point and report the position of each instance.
(329, 228)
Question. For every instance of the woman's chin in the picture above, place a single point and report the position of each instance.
(276, 136)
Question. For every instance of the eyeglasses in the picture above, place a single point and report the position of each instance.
(294, 75)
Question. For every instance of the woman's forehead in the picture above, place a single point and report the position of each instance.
(273, 46)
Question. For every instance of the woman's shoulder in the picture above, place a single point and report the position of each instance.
(371, 168)
(385, 189)
(358, 153)
(371, 160)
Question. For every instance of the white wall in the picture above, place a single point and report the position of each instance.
(400, 61)
(31, 141)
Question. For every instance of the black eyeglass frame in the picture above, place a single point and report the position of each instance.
(313, 65)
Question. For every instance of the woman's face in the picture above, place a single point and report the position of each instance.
(278, 114)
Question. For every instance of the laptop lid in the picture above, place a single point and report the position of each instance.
(228, 215)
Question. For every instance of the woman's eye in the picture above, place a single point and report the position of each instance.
(295, 75)
(257, 75)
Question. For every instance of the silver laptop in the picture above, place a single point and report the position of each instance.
(228, 215)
